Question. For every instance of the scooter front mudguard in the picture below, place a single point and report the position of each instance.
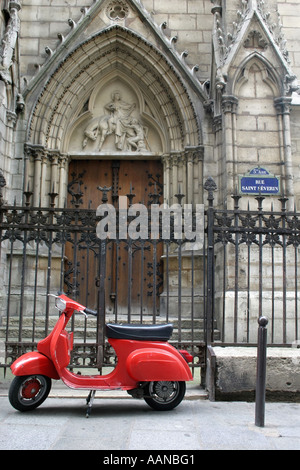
(146, 365)
(34, 363)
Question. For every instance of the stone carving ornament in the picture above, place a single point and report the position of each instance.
(128, 131)
(9, 40)
(117, 10)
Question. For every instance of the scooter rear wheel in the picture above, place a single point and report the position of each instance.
(27, 392)
(163, 396)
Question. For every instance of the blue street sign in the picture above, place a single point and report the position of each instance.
(259, 181)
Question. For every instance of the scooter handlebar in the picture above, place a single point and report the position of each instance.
(89, 311)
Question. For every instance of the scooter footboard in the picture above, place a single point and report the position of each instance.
(150, 364)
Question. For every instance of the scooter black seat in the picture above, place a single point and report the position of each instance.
(139, 332)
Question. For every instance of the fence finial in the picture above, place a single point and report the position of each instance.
(210, 186)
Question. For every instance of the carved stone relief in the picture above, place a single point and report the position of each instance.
(129, 133)
(8, 43)
(116, 120)
(117, 10)
(255, 40)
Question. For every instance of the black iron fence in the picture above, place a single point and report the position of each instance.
(252, 270)
(154, 279)
(246, 266)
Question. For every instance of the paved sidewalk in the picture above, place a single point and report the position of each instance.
(121, 423)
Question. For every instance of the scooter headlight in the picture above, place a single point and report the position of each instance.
(60, 304)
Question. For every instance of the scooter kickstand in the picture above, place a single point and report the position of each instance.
(89, 397)
(89, 401)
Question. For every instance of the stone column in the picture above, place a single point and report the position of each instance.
(229, 106)
(198, 161)
(182, 177)
(44, 198)
(194, 175)
(282, 106)
(166, 160)
(37, 179)
(54, 182)
(190, 177)
(35, 154)
(217, 128)
(9, 167)
(63, 164)
(174, 163)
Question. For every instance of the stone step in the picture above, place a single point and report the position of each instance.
(189, 329)
(89, 333)
(79, 321)
(81, 334)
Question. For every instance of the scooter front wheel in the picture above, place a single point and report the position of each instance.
(27, 392)
(163, 396)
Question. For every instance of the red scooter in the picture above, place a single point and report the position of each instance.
(147, 365)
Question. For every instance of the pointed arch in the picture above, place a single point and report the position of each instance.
(266, 71)
(113, 49)
(90, 112)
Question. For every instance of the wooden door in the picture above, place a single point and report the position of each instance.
(133, 268)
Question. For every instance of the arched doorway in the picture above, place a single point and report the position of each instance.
(62, 120)
(119, 101)
(129, 275)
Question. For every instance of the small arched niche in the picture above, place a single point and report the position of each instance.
(257, 131)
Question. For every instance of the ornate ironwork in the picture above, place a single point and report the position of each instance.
(250, 263)
(53, 248)
(261, 271)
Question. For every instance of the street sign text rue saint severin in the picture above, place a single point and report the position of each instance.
(259, 181)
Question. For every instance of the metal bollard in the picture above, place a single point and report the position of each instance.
(261, 372)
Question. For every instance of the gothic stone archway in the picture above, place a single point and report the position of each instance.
(72, 107)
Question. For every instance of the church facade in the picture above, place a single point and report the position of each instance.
(116, 90)
(210, 88)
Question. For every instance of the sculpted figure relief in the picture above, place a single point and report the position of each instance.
(8, 43)
(128, 131)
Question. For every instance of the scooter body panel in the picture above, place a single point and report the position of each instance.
(138, 361)
(34, 363)
(155, 364)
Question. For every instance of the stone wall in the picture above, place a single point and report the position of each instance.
(42, 21)
(290, 14)
(295, 137)
(236, 373)
(190, 23)
(225, 101)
